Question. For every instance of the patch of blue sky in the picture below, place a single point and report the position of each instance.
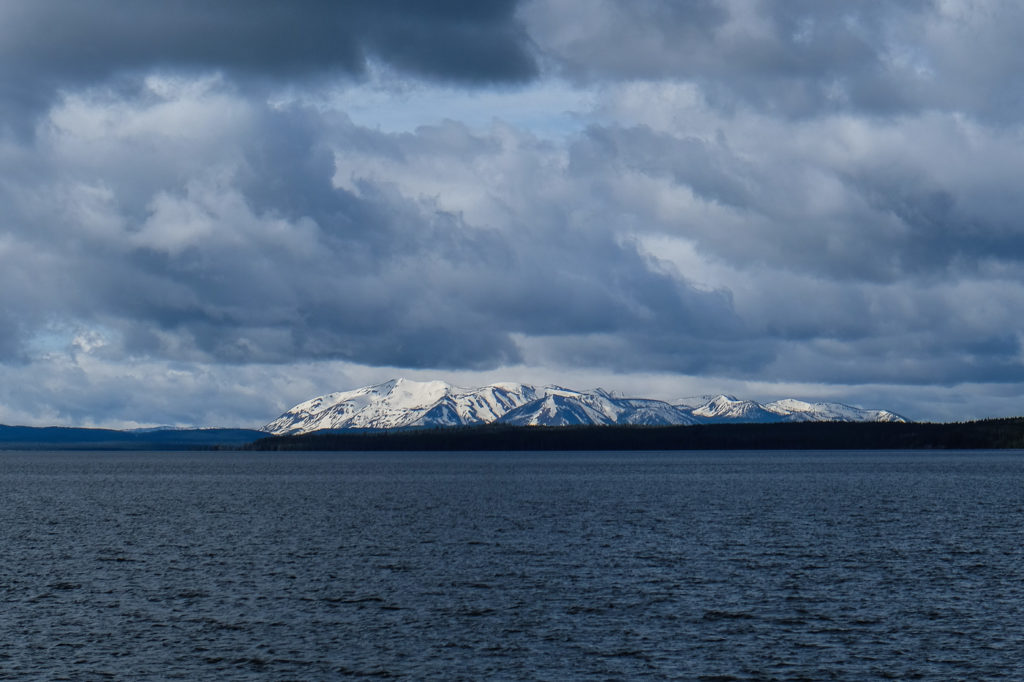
(63, 337)
(547, 108)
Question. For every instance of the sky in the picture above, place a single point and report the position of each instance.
(212, 211)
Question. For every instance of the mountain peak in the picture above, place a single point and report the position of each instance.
(729, 407)
(407, 393)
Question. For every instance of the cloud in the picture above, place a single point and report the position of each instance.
(71, 385)
(254, 234)
(794, 58)
(808, 194)
(53, 45)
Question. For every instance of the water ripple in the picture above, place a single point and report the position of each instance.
(512, 566)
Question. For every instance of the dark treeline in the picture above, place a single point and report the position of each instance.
(992, 433)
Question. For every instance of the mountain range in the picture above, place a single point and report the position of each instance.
(402, 403)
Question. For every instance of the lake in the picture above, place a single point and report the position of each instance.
(540, 566)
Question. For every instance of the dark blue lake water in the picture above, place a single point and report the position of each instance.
(549, 566)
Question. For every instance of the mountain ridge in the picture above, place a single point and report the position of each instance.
(403, 403)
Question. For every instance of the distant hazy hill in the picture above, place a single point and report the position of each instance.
(401, 403)
(59, 438)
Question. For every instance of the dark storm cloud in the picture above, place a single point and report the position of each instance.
(50, 44)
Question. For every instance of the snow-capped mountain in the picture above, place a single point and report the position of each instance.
(724, 408)
(402, 403)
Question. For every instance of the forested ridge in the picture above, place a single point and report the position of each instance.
(985, 434)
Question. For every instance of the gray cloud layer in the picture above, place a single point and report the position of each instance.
(46, 45)
(809, 192)
(247, 252)
(799, 58)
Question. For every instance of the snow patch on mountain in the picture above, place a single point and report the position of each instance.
(798, 410)
(692, 402)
